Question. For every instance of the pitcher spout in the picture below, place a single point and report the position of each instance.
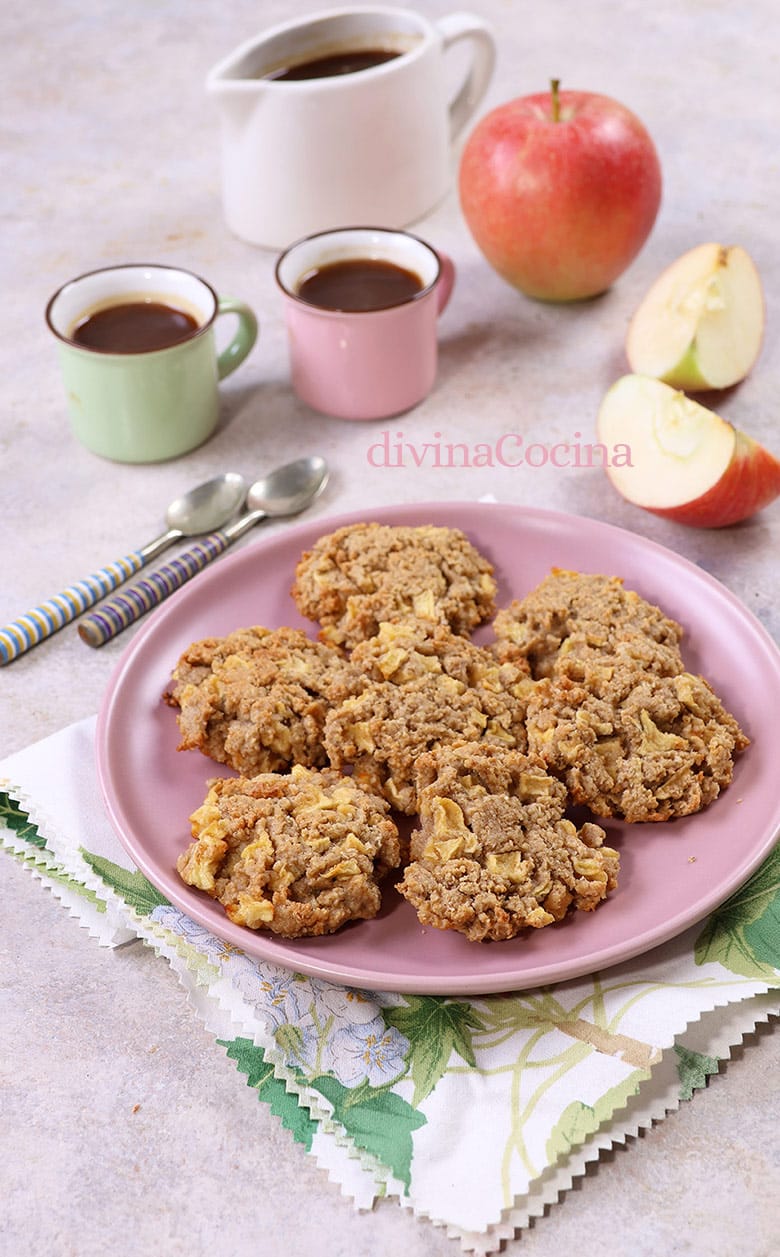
(240, 71)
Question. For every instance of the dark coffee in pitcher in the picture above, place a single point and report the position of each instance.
(331, 64)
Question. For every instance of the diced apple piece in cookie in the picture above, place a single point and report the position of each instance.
(701, 324)
(686, 463)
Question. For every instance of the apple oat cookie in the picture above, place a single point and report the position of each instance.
(640, 746)
(494, 854)
(257, 699)
(298, 854)
(573, 618)
(424, 687)
(413, 649)
(362, 574)
(380, 733)
(403, 650)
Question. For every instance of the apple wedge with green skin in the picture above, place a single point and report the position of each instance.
(686, 463)
(702, 322)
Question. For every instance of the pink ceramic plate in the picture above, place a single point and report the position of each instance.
(672, 875)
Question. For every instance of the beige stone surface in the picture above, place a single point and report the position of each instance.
(110, 153)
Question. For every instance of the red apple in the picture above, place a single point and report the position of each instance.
(560, 191)
(680, 460)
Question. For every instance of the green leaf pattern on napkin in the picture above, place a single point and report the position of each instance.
(742, 935)
(251, 1061)
(379, 1121)
(693, 1069)
(435, 1029)
(579, 1121)
(36, 855)
(12, 815)
(136, 890)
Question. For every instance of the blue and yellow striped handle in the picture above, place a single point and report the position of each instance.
(50, 616)
(120, 612)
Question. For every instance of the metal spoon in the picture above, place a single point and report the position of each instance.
(204, 508)
(286, 491)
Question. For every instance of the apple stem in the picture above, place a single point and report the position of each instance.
(556, 103)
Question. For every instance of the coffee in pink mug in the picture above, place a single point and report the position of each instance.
(361, 306)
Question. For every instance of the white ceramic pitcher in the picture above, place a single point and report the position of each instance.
(368, 147)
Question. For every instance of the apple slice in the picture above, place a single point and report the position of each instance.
(701, 324)
(677, 459)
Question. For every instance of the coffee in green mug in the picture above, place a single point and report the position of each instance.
(139, 358)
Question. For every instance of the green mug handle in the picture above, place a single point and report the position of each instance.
(246, 335)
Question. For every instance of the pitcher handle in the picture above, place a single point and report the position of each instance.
(465, 26)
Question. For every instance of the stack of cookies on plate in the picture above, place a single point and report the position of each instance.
(582, 698)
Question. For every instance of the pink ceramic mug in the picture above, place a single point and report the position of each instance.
(366, 364)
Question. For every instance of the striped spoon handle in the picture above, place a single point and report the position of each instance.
(134, 601)
(51, 616)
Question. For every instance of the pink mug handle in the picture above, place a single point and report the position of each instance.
(446, 280)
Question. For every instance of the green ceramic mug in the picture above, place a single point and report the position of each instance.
(139, 358)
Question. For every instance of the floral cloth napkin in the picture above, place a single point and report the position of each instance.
(473, 1113)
